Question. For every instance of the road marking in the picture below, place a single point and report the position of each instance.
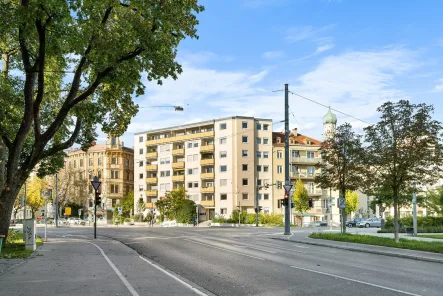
(292, 250)
(272, 252)
(357, 281)
(195, 290)
(123, 279)
(223, 249)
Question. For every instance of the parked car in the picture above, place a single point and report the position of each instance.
(354, 222)
(371, 222)
(61, 221)
(74, 221)
(318, 224)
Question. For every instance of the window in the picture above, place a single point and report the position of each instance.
(265, 168)
(99, 161)
(265, 141)
(113, 141)
(127, 162)
(223, 168)
(196, 185)
(258, 182)
(245, 167)
(259, 196)
(224, 211)
(266, 196)
(190, 158)
(279, 154)
(244, 139)
(295, 153)
(244, 124)
(75, 163)
(114, 174)
(222, 126)
(140, 151)
(140, 139)
(258, 140)
(165, 173)
(99, 174)
(311, 171)
(265, 154)
(195, 144)
(162, 187)
(189, 184)
(140, 188)
(258, 154)
(81, 162)
(167, 160)
(223, 140)
(114, 160)
(311, 187)
(265, 127)
(195, 157)
(223, 182)
(91, 162)
(244, 153)
(127, 175)
(189, 171)
(195, 171)
(258, 126)
(245, 196)
(245, 182)
(310, 154)
(279, 169)
(259, 168)
(114, 188)
(223, 154)
(140, 176)
(189, 145)
(223, 196)
(140, 163)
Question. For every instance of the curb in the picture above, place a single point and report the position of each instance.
(364, 251)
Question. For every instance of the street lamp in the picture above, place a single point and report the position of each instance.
(96, 185)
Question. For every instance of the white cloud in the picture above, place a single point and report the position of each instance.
(439, 86)
(273, 54)
(295, 34)
(325, 47)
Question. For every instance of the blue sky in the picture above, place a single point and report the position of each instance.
(352, 55)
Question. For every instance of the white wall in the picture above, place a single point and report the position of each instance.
(192, 162)
(139, 169)
(164, 183)
(266, 204)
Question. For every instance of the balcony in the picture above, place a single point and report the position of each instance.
(181, 138)
(207, 175)
(306, 160)
(151, 192)
(178, 165)
(207, 203)
(151, 167)
(152, 155)
(210, 161)
(179, 178)
(178, 152)
(304, 175)
(316, 210)
(207, 189)
(207, 148)
(152, 180)
(150, 205)
(315, 192)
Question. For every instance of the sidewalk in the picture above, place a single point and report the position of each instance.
(303, 238)
(71, 266)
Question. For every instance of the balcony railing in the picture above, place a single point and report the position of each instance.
(207, 148)
(207, 175)
(304, 175)
(152, 155)
(207, 203)
(207, 189)
(150, 205)
(316, 210)
(210, 161)
(179, 178)
(151, 180)
(178, 165)
(305, 159)
(152, 167)
(178, 152)
(180, 138)
(316, 191)
(151, 192)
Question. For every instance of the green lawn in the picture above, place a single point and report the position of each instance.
(435, 247)
(15, 247)
(440, 236)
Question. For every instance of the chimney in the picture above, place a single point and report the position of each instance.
(294, 132)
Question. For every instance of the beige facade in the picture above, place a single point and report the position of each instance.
(216, 161)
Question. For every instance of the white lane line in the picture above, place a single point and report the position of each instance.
(223, 249)
(292, 250)
(195, 290)
(357, 281)
(123, 279)
(267, 251)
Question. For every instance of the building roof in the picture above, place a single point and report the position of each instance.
(97, 148)
(330, 117)
(299, 139)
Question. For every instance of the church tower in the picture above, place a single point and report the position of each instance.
(329, 125)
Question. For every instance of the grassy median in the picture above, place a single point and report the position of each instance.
(435, 247)
(438, 236)
(14, 247)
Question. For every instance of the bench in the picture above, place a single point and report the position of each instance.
(409, 230)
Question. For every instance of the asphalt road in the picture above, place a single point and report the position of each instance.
(231, 261)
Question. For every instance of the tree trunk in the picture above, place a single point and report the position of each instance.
(395, 220)
(7, 199)
(2, 164)
(343, 214)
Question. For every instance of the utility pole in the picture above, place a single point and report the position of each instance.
(256, 202)
(56, 199)
(287, 180)
(414, 210)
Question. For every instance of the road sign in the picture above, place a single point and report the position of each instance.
(341, 203)
(287, 188)
(46, 193)
(120, 210)
(67, 211)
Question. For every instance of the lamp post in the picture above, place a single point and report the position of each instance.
(96, 185)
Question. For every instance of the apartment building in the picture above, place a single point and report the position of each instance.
(222, 163)
(304, 154)
(112, 162)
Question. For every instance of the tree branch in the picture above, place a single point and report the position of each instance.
(57, 148)
(7, 142)
(40, 63)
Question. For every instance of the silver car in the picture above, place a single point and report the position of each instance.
(371, 222)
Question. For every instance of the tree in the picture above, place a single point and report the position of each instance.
(301, 197)
(187, 212)
(403, 147)
(140, 206)
(172, 203)
(342, 167)
(18, 204)
(127, 204)
(434, 200)
(352, 202)
(80, 64)
(33, 198)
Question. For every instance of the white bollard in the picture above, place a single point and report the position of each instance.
(29, 228)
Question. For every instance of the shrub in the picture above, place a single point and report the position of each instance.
(230, 220)
(421, 222)
(127, 220)
(138, 217)
(186, 213)
(243, 216)
(219, 219)
(271, 219)
(422, 229)
(250, 219)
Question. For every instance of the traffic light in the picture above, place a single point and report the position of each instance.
(311, 203)
(292, 204)
(279, 185)
(98, 198)
(260, 208)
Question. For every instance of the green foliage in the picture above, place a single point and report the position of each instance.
(434, 200)
(301, 197)
(250, 218)
(141, 207)
(172, 205)
(265, 219)
(271, 219)
(116, 218)
(436, 236)
(138, 217)
(127, 203)
(421, 221)
(187, 212)
(235, 215)
(352, 202)
(420, 229)
(127, 220)
(219, 219)
(435, 247)
(14, 246)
